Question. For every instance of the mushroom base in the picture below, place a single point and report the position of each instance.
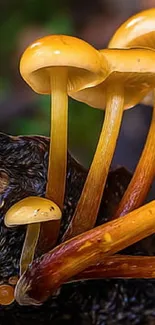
(98, 302)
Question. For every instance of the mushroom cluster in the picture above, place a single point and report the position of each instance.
(112, 79)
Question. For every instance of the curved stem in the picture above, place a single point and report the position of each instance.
(55, 188)
(142, 178)
(120, 266)
(50, 271)
(90, 199)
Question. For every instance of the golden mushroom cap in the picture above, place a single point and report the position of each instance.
(80, 58)
(32, 210)
(139, 30)
(134, 69)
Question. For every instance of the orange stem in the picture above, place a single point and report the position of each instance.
(142, 178)
(91, 196)
(120, 266)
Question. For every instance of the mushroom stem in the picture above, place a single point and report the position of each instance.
(143, 176)
(28, 250)
(120, 266)
(55, 188)
(90, 199)
(54, 268)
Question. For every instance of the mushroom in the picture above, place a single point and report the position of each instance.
(56, 267)
(130, 77)
(6, 294)
(139, 31)
(55, 65)
(31, 211)
(13, 280)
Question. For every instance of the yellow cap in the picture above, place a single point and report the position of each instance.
(32, 210)
(81, 60)
(139, 30)
(134, 69)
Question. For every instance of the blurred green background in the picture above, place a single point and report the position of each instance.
(22, 111)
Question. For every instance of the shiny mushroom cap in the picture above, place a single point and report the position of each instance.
(32, 210)
(139, 30)
(81, 60)
(134, 69)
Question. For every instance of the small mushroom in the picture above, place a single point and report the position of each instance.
(55, 65)
(6, 295)
(139, 31)
(31, 211)
(13, 280)
(54, 268)
(130, 77)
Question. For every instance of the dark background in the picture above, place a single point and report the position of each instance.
(23, 112)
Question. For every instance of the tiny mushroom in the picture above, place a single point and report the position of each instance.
(139, 31)
(31, 211)
(6, 294)
(131, 75)
(55, 65)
